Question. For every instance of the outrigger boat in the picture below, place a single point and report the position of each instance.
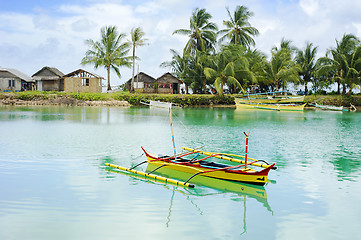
(200, 165)
(273, 107)
(329, 107)
(272, 99)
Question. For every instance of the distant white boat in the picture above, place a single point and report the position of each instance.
(159, 104)
(329, 107)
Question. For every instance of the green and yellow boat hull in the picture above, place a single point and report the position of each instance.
(209, 169)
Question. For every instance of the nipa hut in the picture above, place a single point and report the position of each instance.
(49, 79)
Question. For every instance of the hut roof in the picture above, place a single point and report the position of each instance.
(82, 73)
(17, 73)
(169, 76)
(143, 77)
(48, 73)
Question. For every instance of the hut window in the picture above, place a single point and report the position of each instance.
(12, 83)
(85, 81)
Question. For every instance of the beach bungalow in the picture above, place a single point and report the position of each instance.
(167, 83)
(14, 80)
(49, 79)
(82, 81)
(142, 83)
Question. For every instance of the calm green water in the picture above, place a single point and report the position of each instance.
(54, 185)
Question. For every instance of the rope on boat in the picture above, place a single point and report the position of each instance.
(189, 132)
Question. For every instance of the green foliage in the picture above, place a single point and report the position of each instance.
(182, 99)
(110, 52)
(238, 29)
(336, 100)
(33, 95)
(202, 33)
(90, 96)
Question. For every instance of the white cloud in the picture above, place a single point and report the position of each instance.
(55, 36)
(83, 25)
(45, 22)
(309, 6)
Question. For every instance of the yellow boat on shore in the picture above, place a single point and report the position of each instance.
(272, 99)
(269, 106)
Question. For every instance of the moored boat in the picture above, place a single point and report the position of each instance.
(329, 107)
(200, 166)
(274, 107)
(159, 104)
(272, 99)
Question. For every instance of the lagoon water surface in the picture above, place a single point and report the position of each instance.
(54, 185)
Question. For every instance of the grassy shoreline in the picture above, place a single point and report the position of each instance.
(123, 98)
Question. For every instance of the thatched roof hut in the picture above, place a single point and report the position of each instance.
(49, 79)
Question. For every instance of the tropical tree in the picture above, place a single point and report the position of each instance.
(249, 64)
(323, 74)
(180, 67)
(307, 60)
(110, 52)
(354, 70)
(287, 48)
(238, 29)
(225, 67)
(137, 40)
(198, 63)
(281, 70)
(340, 61)
(201, 32)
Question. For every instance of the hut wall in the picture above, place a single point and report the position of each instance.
(4, 84)
(168, 84)
(50, 85)
(75, 84)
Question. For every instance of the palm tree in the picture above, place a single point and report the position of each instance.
(201, 32)
(281, 70)
(340, 59)
(137, 36)
(285, 46)
(238, 29)
(354, 69)
(180, 67)
(225, 67)
(324, 74)
(306, 59)
(109, 52)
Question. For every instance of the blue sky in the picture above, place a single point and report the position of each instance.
(34, 34)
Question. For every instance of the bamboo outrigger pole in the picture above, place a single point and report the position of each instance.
(245, 156)
(171, 127)
(156, 177)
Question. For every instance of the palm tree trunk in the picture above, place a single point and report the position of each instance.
(343, 87)
(108, 71)
(132, 85)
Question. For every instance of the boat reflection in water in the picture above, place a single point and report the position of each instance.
(243, 190)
